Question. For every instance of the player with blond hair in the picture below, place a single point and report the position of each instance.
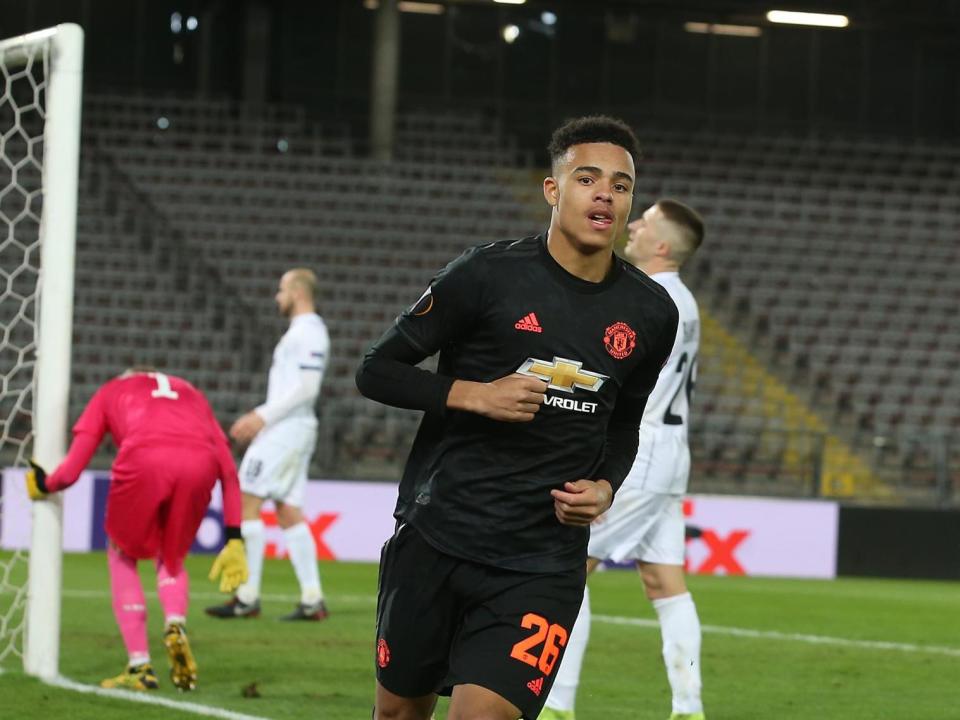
(282, 434)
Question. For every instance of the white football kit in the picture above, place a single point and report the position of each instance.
(645, 521)
(276, 463)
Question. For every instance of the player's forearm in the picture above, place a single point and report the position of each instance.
(232, 505)
(395, 383)
(466, 395)
(619, 452)
(398, 384)
(389, 375)
(305, 393)
(82, 448)
(604, 493)
(230, 487)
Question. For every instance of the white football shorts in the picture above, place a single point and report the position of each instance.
(662, 464)
(640, 525)
(276, 469)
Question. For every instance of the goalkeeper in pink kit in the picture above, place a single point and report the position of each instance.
(171, 451)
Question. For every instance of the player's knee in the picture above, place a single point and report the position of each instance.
(398, 711)
(654, 583)
(653, 592)
(486, 706)
(386, 712)
(288, 515)
(251, 505)
(389, 706)
(481, 714)
(662, 581)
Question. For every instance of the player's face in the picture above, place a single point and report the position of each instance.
(591, 194)
(284, 296)
(646, 235)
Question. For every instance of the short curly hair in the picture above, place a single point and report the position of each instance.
(592, 129)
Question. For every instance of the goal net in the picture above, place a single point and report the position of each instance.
(40, 85)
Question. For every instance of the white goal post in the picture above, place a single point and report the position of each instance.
(50, 64)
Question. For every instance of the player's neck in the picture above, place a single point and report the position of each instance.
(299, 310)
(658, 265)
(590, 266)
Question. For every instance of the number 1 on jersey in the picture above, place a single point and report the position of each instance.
(163, 387)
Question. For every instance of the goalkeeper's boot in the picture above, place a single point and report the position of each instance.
(688, 716)
(235, 608)
(551, 714)
(135, 677)
(314, 611)
(183, 668)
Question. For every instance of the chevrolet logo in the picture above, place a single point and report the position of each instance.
(563, 374)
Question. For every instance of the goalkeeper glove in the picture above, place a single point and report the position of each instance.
(36, 482)
(230, 566)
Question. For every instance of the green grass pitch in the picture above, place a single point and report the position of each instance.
(777, 670)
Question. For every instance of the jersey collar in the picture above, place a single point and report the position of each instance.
(572, 281)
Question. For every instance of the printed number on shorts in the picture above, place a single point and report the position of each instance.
(163, 387)
(253, 469)
(552, 636)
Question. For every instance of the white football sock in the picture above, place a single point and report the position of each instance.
(138, 659)
(680, 628)
(563, 695)
(254, 542)
(303, 555)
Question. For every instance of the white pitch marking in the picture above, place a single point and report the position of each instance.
(795, 637)
(637, 622)
(142, 697)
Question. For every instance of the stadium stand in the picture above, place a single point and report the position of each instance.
(831, 336)
(833, 257)
(374, 234)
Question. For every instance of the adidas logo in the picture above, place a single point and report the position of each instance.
(536, 686)
(529, 323)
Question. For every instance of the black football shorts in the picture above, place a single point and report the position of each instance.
(443, 621)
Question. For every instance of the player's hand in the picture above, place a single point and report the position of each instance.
(514, 398)
(582, 501)
(230, 566)
(246, 427)
(36, 482)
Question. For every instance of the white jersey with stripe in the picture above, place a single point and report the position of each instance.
(299, 361)
(663, 457)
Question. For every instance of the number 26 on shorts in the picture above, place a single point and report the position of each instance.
(551, 636)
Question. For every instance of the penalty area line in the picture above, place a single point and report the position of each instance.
(793, 637)
(143, 697)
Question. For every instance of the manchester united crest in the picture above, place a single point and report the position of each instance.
(620, 340)
(383, 653)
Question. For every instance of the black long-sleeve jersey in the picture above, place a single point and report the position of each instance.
(477, 488)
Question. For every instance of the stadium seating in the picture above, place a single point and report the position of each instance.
(828, 258)
(240, 207)
(833, 257)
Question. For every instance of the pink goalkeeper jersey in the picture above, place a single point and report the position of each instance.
(155, 410)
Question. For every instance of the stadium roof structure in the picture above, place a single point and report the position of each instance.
(940, 16)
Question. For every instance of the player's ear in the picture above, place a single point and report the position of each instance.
(667, 237)
(551, 191)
